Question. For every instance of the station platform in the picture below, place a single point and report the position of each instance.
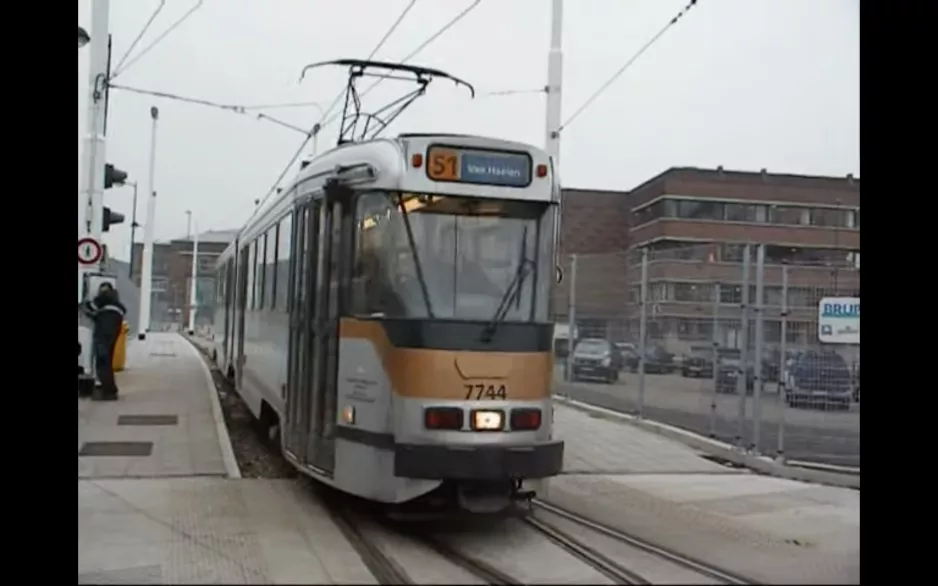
(160, 499)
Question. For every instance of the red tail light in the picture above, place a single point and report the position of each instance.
(443, 418)
(525, 419)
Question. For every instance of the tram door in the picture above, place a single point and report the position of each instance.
(296, 426)
(228, 284)
(325, 350)
(241, 308)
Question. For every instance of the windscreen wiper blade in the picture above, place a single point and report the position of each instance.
(505, 304)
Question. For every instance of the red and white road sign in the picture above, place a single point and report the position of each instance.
(89, 251)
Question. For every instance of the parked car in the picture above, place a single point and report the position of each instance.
(818, 379)
(657, 361)
(626, 350)
(730, 370)
(596, 358)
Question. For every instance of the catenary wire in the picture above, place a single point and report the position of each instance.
(139, 36)
(628, 63)
(156, 41)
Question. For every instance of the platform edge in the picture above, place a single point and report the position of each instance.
(221, 430)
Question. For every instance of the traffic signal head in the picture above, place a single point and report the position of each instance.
(113, 176)
(110, 217)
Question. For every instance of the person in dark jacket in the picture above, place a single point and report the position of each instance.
(107, 312)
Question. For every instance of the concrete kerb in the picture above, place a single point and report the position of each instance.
(221, 430)
(761, 464)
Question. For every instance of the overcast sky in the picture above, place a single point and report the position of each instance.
(745, 84)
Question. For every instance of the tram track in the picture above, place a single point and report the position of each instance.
(603, 563)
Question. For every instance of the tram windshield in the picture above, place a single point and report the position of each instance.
(427, 256)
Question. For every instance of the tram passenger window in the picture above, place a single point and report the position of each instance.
(261, 253)
(270, 267)
(284, 237)
(252, 254)
(369, 289)
(334, 259)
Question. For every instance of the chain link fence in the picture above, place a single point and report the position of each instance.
(719, 346)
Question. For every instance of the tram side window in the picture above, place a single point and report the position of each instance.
(284, 237)
(259, 280)
(270, 268)
(252, 254)
(335, 258)
(220, 282)
(368, 291)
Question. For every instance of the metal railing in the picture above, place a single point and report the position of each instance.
(722, 341)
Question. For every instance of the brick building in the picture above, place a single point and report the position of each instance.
(172, 272)
(694, 224)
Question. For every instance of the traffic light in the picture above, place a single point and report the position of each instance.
(110, 217)
(113, 176)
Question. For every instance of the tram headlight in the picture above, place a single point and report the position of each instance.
(488, 420)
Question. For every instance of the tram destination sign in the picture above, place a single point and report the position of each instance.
(481, 167)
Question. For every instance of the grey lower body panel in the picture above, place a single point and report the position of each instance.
(478, 462)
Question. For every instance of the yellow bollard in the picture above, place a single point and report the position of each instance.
(120, 349)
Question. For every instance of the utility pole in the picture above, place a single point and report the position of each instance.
(133, 230)
(93, 151)
(193, 301)
(554, 84)
(146, 262)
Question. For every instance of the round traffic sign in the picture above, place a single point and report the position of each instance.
(89, 251)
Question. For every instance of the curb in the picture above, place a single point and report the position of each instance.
(221, 430)
(761, 464)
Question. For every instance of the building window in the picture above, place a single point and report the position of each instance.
(833, 218)
(693, 292)
(789, 216)
(738, 212)
(731, 294)
(700, 210)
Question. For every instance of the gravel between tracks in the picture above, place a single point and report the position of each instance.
(251, 447)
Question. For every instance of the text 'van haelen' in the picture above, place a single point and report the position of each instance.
(494, 170)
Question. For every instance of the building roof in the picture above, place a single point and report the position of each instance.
(844, 182)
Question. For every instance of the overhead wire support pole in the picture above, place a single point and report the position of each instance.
(554, 88)
(193, 288)
(146, 262)
(94, 151)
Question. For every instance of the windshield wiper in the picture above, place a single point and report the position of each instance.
(413, 251)
(514, 289)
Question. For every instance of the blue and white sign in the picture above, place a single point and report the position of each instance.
(839, 320)
(508, 169)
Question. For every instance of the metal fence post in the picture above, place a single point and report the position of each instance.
(642, 333)
(782, 379)
(759, 309)
(743, 375)
(571, 319)
(715, 358)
